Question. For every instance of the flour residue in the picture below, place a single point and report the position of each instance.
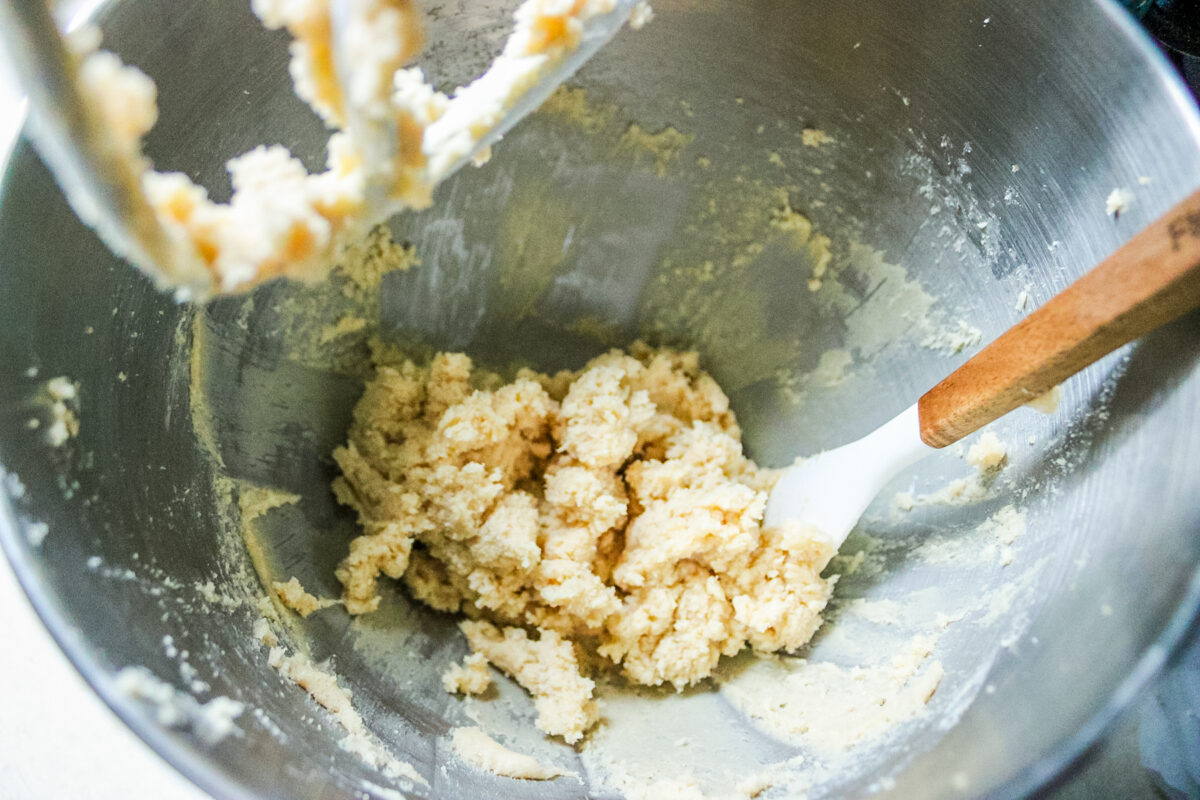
(210, 721)
(988, 456)
(323, 686)
(829, 708)
(662, 148)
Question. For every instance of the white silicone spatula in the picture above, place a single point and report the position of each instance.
(1151, 280)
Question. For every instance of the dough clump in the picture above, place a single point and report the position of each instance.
(471, 677)
(475, 747)
(591, 519)
(294, 596)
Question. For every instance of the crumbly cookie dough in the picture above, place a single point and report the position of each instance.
(471, 677)
(605, 517)
(815, 137)
(547, 668)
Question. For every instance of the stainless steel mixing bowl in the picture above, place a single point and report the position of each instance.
(975, 144)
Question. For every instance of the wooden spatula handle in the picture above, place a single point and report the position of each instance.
(1151, 280)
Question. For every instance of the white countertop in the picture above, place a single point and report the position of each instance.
(58, 739)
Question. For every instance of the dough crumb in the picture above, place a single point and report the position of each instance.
(320, 685)
(294, 596)
(208, 592)
(988, 454)
(262, 632)
(36, 533)
(365, 262)
(800, 228)
(471, 677)
(820, 254)
(755, 785)
(1047, 403)
(482, 751)
(958, 492)
(1118, 202)
(815, 137)
(12, 484)
(606, 513)
(642, 13)
(1005, 527)
(61, 388)
(64, 403)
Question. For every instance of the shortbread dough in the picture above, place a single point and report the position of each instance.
(471, 677)
(605, 518)
(480, 750)
(281, 219)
